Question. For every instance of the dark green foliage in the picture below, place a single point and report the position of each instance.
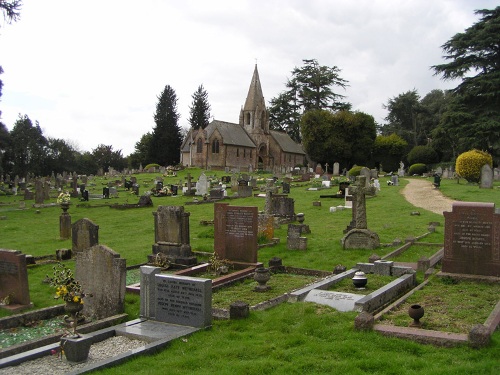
(4, 144)
(105, 157)
(355, 171)
(310, 88)
(61, 156)
(422, 154)
(199, 111)
(166, 139)
(141, 153)
(473, 118)
(388, 151)
(418, 169)
(344, 137)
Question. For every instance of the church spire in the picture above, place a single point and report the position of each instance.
(253, 115)
(254, 97)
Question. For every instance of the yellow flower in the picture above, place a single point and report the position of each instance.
(76, 299)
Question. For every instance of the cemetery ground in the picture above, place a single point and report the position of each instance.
(289, 338)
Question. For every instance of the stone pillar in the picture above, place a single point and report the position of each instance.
(65, 226)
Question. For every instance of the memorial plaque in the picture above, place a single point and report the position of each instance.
(472, 239)
(337, 300)
(184, 300)
(235, 232)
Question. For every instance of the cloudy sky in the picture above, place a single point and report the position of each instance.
(91, 71)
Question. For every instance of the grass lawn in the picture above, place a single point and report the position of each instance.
(290, 338)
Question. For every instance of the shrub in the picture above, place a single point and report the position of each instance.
(418, 168)
(469, 164)
(355, 171)
(151, 165)
(389, 150)
(422, 154)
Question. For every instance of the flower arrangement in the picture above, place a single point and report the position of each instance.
(63, 197)
(67, 287)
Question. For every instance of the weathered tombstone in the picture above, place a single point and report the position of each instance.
(203, 185)
(347, 199)
(360, 237)
(266, 226)
(283, 207)
(172, 235)
(135, 189)
(189, 190)
(39, 195)
(295, 241)
(85, 234)
(113, 192)
(235, 232)
(286, 187)
(103, 273)
(336, 169)
(472, 239)
(244, 190)
(395, 180)
(319, 169)
(65, 224)
(486, 177)
(216, 194)
(14, 280)
(28, 195)
(446, 173)
(367, 174)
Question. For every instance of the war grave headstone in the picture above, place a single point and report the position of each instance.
(172, 235)
(486, 177)
(203, 185)
(472, 239)
(85, 234)
(360, 237)
(102, 273)
(235, 232)
(14, 280)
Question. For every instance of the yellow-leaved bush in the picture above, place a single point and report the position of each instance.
(469, 164)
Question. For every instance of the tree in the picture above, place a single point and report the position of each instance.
(11, 9)
(28, 149)
(473, 116)
(310, 88)
(141, 154)
(105, 157)
(61, 155)
(5, 143)
(166, 139)
(344, 137)
(388, 151)
(199, 111)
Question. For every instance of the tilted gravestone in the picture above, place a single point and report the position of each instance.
(85, 234)
(235, 232)
(102, 273)
(172, 235)
(472, 239)
(14, 279)
(486, 177)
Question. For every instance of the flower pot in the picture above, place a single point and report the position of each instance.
(65, 207)
(262, 276)
(359, 280)
(416, 312)
(76, 349)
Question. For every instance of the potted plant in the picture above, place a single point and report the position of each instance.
(74, 346)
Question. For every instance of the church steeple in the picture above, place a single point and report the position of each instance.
(253, 115)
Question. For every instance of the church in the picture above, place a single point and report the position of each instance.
(246, 146)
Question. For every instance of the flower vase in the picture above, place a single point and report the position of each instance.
(76, 349)
(416, 312)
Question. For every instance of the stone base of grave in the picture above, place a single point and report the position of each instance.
(175, 253)
(361, 239)
(16, 308)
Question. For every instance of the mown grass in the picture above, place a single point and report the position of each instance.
(290, 338)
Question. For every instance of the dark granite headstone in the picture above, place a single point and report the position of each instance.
(472, 239)
(85, 234)
(235, 232)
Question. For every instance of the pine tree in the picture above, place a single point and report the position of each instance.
(166, 139)
(199, 111)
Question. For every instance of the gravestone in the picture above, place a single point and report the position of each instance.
(360, 237)
(286, 187)
(486, 177)
(14, 279)
(472, 239)
(172, 235)
(217, 194)
(319, 169)
(46, 190)
(336, 169)
(266, 226)
(179, 300)
(244, 190)
(235, 232)
(395, 180)
(102, 273)
(189, 187)
(85, 234)
(282, 206)
(446, 173)
(39, 195)
(65, 225)
(367, 174)
(337, 300)
(295, 241)
(203, 185)
(496, 174)
(28, 195)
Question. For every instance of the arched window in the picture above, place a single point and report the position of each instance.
(263, 119)
(215, 146)
(199, 146)
(247, 118)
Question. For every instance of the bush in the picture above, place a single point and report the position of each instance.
(469, 164)
(389, 151)
(151, 166)
(418, 168)
(422, 154)
(355, 171)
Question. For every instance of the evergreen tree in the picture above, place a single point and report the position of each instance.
(166, 139)
(199, 111)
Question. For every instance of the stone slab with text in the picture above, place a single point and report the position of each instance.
(236, 232)
(472, 239)
(14, 278)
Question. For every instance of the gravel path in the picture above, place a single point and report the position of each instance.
(421, 193)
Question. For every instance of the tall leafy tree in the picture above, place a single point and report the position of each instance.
(141, 153)
(311, 87)
(199, 111)
(4, 146)
(167, 138)
(473, 117)
(61, 155)
(104, 156)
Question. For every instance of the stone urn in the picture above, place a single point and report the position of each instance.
(416, 312)
(359, 280)
(300, 217)
(65, 207)
(262, 276)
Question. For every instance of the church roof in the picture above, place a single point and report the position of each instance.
(286, 143)
(232, 134)
(255, 97)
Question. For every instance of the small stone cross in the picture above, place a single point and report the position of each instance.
(189, 178)
(326, 168)
(269, 195)
(358, 192)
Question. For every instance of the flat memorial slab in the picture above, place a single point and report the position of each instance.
(337, 300)
(152, 330)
